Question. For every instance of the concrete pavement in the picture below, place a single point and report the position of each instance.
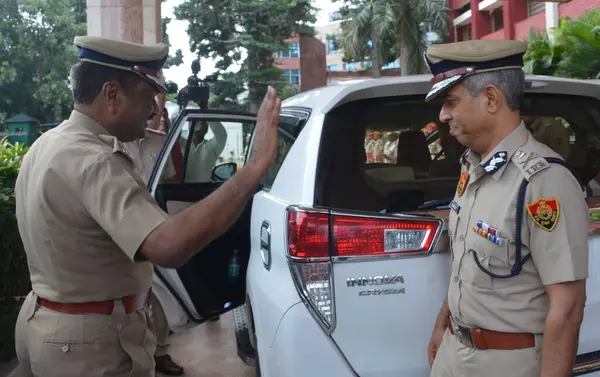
(209, 350)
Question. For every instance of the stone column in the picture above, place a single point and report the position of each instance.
(551, 15)
(136, 21)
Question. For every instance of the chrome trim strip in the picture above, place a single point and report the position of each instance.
(586, 367)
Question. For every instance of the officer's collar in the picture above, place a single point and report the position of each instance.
(97, 129)
(495, 163)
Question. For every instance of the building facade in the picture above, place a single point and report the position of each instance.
(509, 19)
(303, 63)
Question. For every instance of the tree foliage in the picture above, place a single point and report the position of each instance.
(226, 30)
(571, 50)
(384, 30)
(13, 264)
(36, 54)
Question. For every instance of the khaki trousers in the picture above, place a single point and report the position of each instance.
(457, 360)
(160, 326)
(54, 344)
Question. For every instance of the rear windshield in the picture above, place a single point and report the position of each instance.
(394, 155)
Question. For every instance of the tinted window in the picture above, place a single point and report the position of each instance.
(291, 122)
(394, 155)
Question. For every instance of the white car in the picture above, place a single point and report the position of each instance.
(345, 263)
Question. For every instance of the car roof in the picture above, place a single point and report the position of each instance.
(325, 99)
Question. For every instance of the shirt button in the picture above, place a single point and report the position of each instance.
(456, 279)
(461, 238)
(119, 326)
(65, 348)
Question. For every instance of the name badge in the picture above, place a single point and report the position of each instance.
(454, 207)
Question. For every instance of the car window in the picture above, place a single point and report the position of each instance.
(291, 122)
(393, 154)
(204, 144)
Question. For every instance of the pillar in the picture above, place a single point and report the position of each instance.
(136, 21)
(551, 15)
(480, 22)
(513, 12)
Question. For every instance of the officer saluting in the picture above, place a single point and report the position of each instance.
(518, 227)
(90, 228)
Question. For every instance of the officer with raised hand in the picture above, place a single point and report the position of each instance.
(517, 227)
(92, 231)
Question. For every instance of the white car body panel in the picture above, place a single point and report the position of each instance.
(375, 336)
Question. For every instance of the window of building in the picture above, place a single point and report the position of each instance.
(535, 7)
(497, 16)
(333, 68)
(466, 33)
(331, 46)
(292, 76)
(292, 52)
(350, 66)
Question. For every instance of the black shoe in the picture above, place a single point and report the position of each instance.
(166, 365)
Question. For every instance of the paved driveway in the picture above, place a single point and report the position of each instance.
(209, 350)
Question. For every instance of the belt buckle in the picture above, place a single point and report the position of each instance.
(463, 334)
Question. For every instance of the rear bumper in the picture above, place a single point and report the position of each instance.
(301, 349)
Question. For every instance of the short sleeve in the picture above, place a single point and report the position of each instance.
(556, 215)
(120, 203)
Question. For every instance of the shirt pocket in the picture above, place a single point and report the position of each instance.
(484, 255)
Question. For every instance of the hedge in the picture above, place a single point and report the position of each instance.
(15, 282)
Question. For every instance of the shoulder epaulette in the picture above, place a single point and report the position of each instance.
(530, 163)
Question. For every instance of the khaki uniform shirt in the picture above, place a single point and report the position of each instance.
(558, 246)
(144, 153)
(83, 213)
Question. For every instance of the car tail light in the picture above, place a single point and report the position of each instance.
(308, 235)
(363, 236)
(315, 236)
(310, 263)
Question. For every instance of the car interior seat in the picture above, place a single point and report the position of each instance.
(344, 180)
(413, 151)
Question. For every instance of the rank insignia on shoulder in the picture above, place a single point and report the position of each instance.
(494, 163)
(462, 183)
(544, 212)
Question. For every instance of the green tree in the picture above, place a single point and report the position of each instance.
(571, 50)
(387, 29)
(227, 30)
(36, 54)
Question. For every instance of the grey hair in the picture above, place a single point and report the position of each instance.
(87, 80)
(511, 82)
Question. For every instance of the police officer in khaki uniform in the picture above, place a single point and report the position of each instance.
(518, 227)
(92, 231)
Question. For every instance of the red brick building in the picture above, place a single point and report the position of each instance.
(304, 64)
(509, 19)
